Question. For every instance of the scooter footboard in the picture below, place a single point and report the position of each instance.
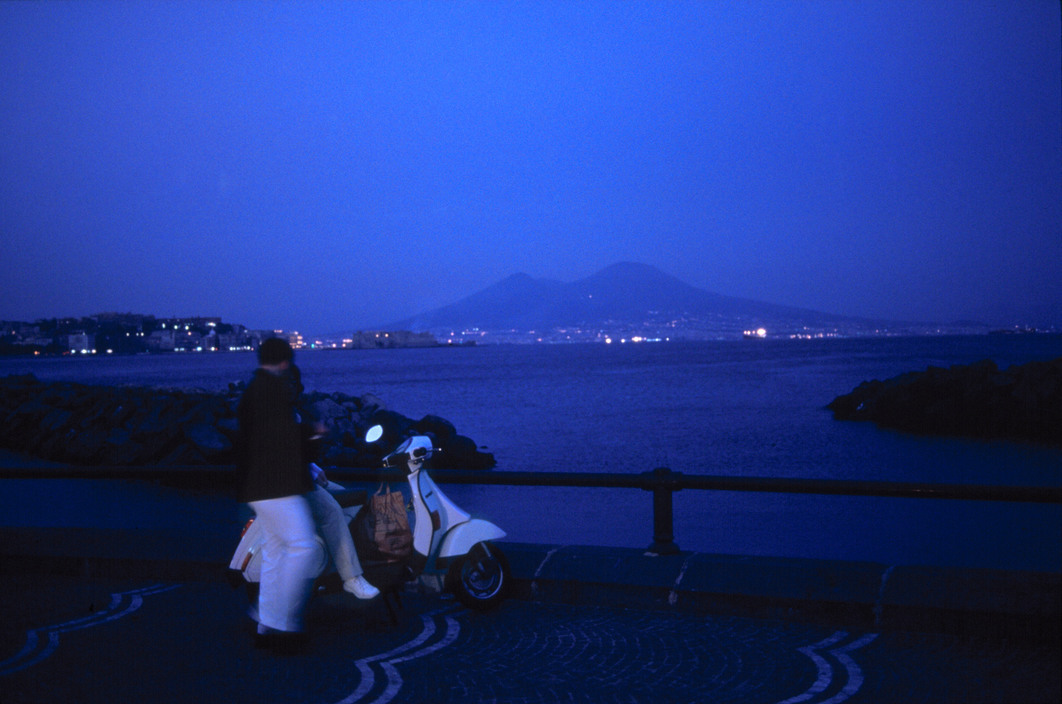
(460, 540)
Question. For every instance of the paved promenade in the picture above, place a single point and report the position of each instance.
(100, 639)
(584, 625)
(132, 608)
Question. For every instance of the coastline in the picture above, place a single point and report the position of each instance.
(10, 458)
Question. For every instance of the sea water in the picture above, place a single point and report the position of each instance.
(747, 408)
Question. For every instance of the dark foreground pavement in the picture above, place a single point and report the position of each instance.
(137, 617)
(121, 606)
(100, 639)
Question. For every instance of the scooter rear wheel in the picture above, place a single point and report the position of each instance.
(481, 578)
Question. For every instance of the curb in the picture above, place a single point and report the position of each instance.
(866, 595)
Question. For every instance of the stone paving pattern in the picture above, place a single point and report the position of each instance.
(191, 642)
(108, 612)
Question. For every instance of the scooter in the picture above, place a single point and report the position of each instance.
(447, 541)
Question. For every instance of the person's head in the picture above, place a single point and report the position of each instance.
(275, 353)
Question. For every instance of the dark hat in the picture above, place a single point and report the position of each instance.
(274, 351)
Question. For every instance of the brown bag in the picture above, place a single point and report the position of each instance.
(381, 528)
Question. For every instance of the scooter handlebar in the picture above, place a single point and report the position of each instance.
(398, 459)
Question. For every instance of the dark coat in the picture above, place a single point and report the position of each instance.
(270, 456)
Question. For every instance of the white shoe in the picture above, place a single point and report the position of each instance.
(361, 588)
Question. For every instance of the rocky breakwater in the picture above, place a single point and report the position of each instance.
(1022, 402)
(138, 426)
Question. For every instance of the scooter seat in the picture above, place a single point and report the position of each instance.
(351, 497)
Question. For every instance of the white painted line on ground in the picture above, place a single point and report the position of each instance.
(38, 648)
(534, 579)
(855, 675)
(387, 661)
(826, 671)
(672, 598)
(879, 605)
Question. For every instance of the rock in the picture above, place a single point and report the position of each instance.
(208, 440)
(328, 410)
(228, 425)
(460, 452)
(136, 426)
(441, 429)
(395, 426)
(978, 400)
(84, 447)
(183, 455)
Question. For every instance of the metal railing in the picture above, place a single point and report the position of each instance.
(662, 482)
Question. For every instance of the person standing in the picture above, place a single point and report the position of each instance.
(272, 478)
(332, 524)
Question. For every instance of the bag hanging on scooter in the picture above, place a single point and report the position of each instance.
(381, 528)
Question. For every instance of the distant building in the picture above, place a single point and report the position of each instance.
(196, 323)
(81, 343)
(187, 341)
(161, 341)
(235, 340)
(381, 339)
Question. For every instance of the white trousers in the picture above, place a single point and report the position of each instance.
(332, 525)
(292, 557)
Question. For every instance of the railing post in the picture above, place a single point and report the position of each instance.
(663, 483)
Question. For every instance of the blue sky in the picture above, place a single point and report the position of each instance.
(324, 166)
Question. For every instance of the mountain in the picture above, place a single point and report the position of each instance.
(625, 299)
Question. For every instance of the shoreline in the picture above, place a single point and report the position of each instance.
(11, 458)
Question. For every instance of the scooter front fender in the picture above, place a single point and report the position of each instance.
(460, 540)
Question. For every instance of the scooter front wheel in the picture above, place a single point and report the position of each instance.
(480, 579)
